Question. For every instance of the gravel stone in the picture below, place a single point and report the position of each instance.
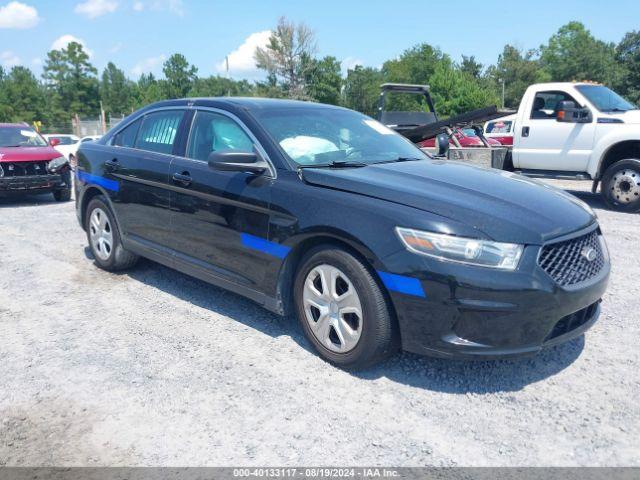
(151, 367)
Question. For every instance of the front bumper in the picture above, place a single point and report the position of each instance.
(31, 183)
(473, 312)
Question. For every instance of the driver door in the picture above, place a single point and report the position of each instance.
(546, 144)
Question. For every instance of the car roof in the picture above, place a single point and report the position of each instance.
(245, 103)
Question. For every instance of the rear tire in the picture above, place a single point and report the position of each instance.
(104, 237)
(620, 186)
(343, 310)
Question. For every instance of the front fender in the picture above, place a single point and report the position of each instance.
(617, 133)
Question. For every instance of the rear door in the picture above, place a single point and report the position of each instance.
(218, 215)
(543, 143)
(141, 162)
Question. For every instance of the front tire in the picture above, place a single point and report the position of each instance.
(621, 186)
(104, 237)
(343, 310)
(64, 194)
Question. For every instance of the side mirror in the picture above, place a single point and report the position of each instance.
(568, 112)
(442, 144)
(54, 142)
(237, 161)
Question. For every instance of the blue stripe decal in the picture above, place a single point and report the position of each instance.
(96, 180)
(402, 284)
(265, 246)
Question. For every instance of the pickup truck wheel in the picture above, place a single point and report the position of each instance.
(343, 310)
(621, 186)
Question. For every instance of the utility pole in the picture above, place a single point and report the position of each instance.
(103, 119)
(502, 80)
(226, 61)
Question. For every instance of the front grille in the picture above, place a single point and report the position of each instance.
(23, 169)
(573, 321)
(567, 263)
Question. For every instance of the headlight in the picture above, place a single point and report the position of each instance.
(482, 253)
(57, 164)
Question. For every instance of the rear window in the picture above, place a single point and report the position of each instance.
(499, 127)
(158, 131)
(66, 140)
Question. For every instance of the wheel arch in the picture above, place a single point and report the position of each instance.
(313, 239)
(90, 192)
(621, 150)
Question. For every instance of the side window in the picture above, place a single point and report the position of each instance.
(159, 130)
(127, 136)
(545, 103)
(212, 131)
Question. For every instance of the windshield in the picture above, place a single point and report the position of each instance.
(605, 99)
(322, 136)
(20, 137)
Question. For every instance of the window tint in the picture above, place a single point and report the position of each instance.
(545, 103)
(127, 136)
(211, 132)
(158, 131)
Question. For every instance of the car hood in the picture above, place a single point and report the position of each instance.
(27, 154)
(632, 116)
(504, 206)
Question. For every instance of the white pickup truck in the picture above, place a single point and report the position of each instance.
(580, 131)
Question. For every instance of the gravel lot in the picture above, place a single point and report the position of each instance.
(151, 367)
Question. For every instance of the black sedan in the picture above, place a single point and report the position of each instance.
(325, 213)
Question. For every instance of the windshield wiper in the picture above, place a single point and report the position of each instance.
(400, 159)
(337, 164)
(10, 146)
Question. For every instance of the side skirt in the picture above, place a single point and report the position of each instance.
(184, 264)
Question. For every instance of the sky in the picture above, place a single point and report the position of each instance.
(138, 35)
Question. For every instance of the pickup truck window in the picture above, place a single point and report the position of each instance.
(544, 104)
(605, 99)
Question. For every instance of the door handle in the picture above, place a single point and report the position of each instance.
(183, 178)
(112, 165)
(525, 131)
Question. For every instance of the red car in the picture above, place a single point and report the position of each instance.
(30, 165)
(466, 137)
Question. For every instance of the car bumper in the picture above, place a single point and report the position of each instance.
(31, 183)
(472, 312)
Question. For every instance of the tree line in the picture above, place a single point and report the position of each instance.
(70, 85)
